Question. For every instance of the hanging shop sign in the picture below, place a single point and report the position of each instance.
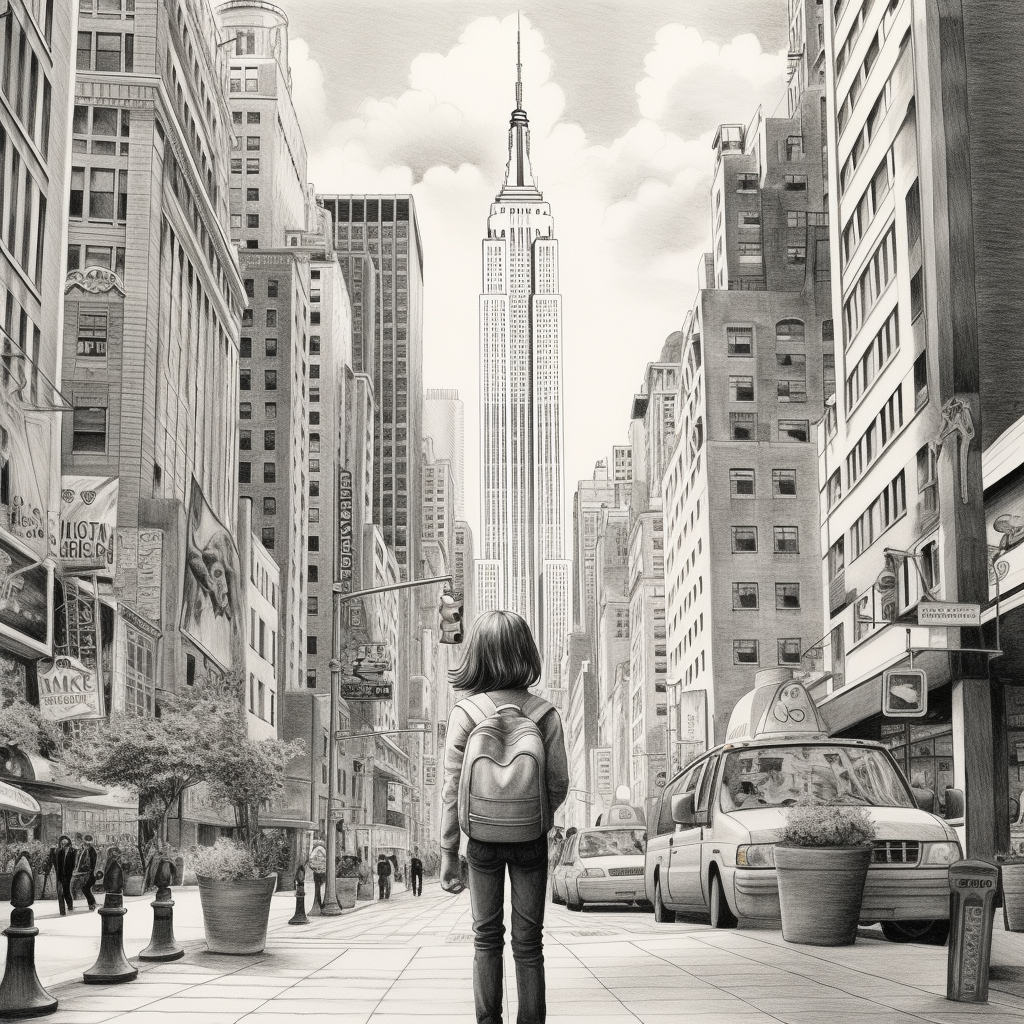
(601, 770)
(88, 524)
(68, 690)
(366, 691)
(904, 693)
(345, 557)
(26, 602)
(943, 613)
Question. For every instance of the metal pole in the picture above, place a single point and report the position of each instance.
(388, 589)
(330, 906)
(97, 612)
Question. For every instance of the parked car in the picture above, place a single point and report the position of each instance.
(711, 838)
(600, 865)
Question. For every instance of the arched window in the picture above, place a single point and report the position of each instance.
(789, 330)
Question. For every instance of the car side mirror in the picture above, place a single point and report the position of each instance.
(682, 809)
(954, 804)
(925, 799)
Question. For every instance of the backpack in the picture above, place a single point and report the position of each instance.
(503, 793)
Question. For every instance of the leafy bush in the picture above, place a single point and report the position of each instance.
(225, 861)
(827, 825)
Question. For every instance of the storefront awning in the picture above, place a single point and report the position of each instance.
(35, 775)
(302, 826)
(17, 800)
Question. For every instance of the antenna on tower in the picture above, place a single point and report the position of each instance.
(519, 66)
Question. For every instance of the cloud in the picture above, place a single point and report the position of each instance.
(632, 217)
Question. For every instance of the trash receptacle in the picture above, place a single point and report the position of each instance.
(973, 885)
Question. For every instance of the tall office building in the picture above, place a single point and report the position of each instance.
(444, 424)
(522, 487)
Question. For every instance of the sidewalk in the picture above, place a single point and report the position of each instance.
(410, 959)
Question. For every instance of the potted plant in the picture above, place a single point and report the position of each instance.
(347, 880)
(821, 861)
(39, 859)
(134, 871)
(1011, 873)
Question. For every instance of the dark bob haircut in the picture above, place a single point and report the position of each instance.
(501, 655)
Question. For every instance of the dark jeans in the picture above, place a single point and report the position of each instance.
(528, 871)
(64, 893)
(417, 882)
(384, 886)
(90, 881)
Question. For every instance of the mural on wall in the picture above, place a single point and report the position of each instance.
(212, 603)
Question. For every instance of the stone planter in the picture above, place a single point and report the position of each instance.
(820, 892)
(365, 890)
(134, 885)
(236, 914)
(347, 889)
(1013, 896)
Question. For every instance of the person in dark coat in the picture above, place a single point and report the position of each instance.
(416, 873)
(87, 867)
(384, 877)
(63, 857)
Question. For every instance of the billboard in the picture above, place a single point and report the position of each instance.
(26, 601)
(345, 530)
(212, 605)
(68, 690)
(25, 452)
(601, 770)
(88, 524)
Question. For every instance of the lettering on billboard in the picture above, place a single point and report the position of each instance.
(25, 441)
(429, 770)
(345, 560)
(68, 690)
(26, 601)
(211, 606)
(602, 770)
(88, 524)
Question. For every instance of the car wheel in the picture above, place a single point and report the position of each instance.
(556, 899)
(721, 915)
(928, 933)
(661, 914)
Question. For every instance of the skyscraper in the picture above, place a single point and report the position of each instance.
(521, 396)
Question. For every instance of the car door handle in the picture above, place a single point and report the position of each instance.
(671, 842)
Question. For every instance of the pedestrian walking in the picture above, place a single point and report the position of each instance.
(63, 857)
(384, 877)
(504, 814)
(416, 873)
(87, 869)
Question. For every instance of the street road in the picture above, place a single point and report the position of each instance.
(410, 960)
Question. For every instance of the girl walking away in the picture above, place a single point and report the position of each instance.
(505, 774)
(384, 877)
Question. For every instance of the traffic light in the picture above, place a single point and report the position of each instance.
(450, 610)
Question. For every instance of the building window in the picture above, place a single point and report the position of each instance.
(92, 335)
(140, 673)
(784, 483)
(252, 143)
(744, 539)
(793, 430)
(89, 429)
(744, 596)
(314, 393)
(311, 679)
(252, 165)
(101, 194)
(270, 410)
(787, 540)
(927, 479)
(795, 183)
(271, 317)
(314, 485)
(245, 348)
(740, 341)
(252, 195)
(270, 506)
(245, 472)
(252, 79)
(741, 483)
(245, 440)
(245, 410)
(836, 559)
(270, 380)
(796, 255)
(789, 651)
(746, 182)
(741, 389)
(270, 472)
(796, 219)
(269, 440)
(267, 536)
(252, 220)
(913, 214)
(271, 282)
(245, 380)
(311, 645)
(271, 347)
(314, 515)
(312, 606)
(312, 573)
(743, 426)
(787, 596)
(929, 562)
(744, 652)
(749, 252)
(252, 117)
(314, 418)
(314, 442)
(920, 380)
(834, 489)
(312, 543)
(314, 371)
(917, 294)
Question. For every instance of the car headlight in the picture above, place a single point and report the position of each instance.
(941, 853)
(593, 872)
(756, 855)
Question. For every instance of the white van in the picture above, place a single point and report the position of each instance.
(711, 839)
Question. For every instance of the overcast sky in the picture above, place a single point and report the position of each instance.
(623, 96)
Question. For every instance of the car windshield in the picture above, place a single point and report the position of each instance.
(820, 774)
(621, 843)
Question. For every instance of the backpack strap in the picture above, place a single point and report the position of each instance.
(535, 708)
(479, 707)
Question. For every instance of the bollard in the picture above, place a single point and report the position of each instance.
(162, 946)
(299, 917)
(111, 967)
(21, 993)
(318, 902)
(972, 885)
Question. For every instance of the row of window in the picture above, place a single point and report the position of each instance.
(105, 202)
(880, 270)
(258, 700)
(22, 211)
(743, 483)
(785, 540)
(748, 652)
(879, 433)
(743, 426)
(884, 345)
(105, 51)
(745, 597)
(25, 83)
(870, 203)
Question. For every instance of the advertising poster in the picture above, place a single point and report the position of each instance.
(68, 690)
(211, 606)
(88, 524)
(25, 444)
(693, 725)
(26, 601)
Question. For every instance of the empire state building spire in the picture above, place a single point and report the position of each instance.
(519, 183)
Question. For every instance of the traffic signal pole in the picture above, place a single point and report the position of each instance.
(330, 904)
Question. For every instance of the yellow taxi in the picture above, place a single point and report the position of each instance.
(711, 839)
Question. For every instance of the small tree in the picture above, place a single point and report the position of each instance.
(21, 724)
(161, 757)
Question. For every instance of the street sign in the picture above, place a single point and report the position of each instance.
(904, 693)
(366, 691)
(943, 613)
